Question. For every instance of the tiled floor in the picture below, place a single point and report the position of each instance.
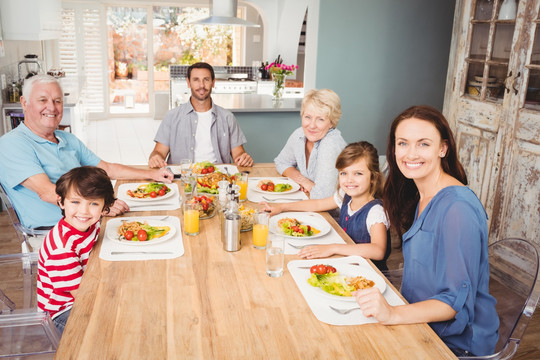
(127, 141)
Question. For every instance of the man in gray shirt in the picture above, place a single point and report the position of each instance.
(199, 129)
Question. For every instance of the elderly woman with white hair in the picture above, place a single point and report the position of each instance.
(309, 156)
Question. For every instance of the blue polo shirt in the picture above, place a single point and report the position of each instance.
(446, 258)
(24, 154)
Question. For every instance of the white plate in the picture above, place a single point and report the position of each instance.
(306, 218)
(295, 187)
(112, 231)
(349, 271)
(122, 193)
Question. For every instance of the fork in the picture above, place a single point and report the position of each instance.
(276, 199)
(343, 311)
(298, 246)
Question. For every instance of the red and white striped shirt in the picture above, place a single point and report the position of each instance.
(62, 261)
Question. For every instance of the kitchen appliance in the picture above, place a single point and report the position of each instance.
(32, 67)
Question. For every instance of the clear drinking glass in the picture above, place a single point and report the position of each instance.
(260, 230)
(275, 256)
(242, 181)
(185, 168)
(191, 217)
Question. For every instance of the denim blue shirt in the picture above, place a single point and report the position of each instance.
(446, 258)
(178, 127)
(24, 154)
(322, 160)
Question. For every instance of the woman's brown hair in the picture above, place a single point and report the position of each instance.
(363, 149)
(400, 193)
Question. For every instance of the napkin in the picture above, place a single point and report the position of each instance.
(257, 197)
(171, 203)
(174, 245)
(319, 305)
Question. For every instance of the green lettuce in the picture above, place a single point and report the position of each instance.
(332, 283)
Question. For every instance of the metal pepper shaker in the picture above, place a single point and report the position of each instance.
(230, 235)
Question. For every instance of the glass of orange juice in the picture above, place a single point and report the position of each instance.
(260, 230)
(242, 181)
(191, 217)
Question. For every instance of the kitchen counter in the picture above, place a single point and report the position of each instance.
(253, 103)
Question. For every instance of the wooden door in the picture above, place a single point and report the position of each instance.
(493, 103)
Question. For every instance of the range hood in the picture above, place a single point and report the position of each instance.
(223, 12)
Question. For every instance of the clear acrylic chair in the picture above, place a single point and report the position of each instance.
(30, 239)
(25, 332)
(514, 282)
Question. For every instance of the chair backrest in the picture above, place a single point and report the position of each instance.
(25, 332)
(24, 234)
(18, 279)
(13, 216)
(514, 282)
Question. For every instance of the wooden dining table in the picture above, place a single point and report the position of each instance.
(214, 304)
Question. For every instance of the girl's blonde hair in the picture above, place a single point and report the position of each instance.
(356, 151)
(326, 101)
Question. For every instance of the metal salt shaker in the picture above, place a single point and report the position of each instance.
(230, 234)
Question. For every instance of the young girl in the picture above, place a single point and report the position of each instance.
(362, 215)
(445, 246)
(83, 194)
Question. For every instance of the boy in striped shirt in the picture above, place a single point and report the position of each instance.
(83, 194)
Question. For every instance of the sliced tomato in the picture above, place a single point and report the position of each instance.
(264, 187)
(330, 269)
(162, 192)
(129, 235)
(204, 171)
(313, 269)
(210, 169)
(271, 187)
(153, 194)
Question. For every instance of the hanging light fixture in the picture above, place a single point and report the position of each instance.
(223, 12)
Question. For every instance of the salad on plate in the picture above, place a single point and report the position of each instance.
(150, 190)
(293, 227)
(328, 279)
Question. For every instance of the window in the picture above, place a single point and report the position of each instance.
(81, 56)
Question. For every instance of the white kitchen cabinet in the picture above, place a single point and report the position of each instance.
(493, 103)
(31, 19)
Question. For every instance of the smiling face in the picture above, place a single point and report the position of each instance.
(315, 123)
(79, 212)
(201, 84)
(44, 108)
(418, 149)
(355, 179)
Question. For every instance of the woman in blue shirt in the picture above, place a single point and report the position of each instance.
(445, 246)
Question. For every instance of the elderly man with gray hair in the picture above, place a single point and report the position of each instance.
(36, 154)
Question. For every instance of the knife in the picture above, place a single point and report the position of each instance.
(140, 252)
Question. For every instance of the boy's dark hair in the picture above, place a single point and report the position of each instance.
(201, 65)
(90, 182)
